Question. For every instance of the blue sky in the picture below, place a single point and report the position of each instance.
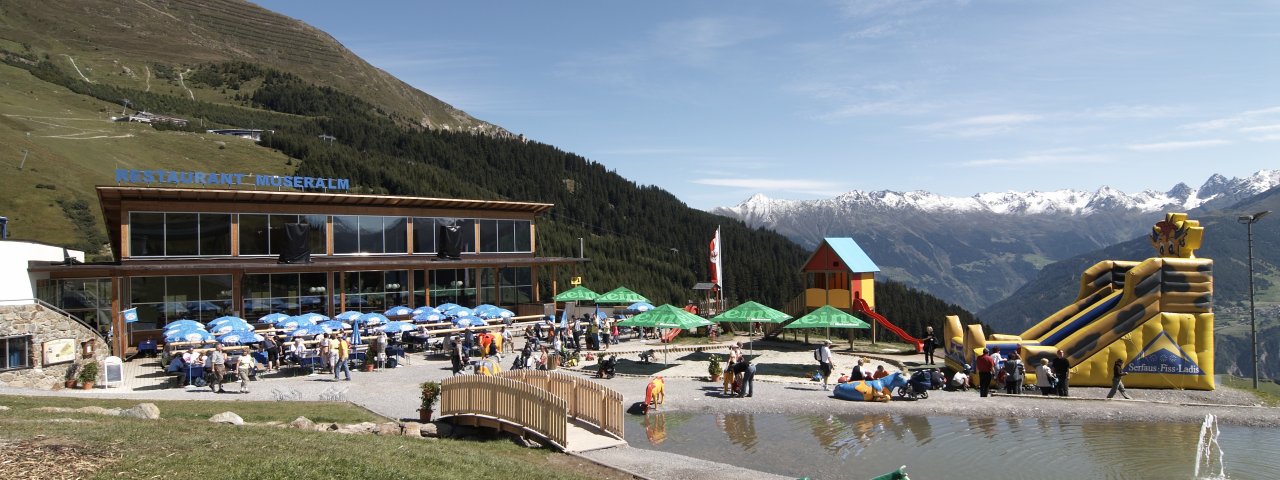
(717, 100)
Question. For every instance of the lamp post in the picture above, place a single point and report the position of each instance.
(1248, 221)
(581, 248)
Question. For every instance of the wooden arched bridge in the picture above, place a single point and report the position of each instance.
(571, 413)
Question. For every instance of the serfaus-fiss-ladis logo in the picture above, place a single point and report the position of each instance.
(173, 177)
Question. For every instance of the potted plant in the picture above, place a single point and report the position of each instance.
(72, 370)
(88, 374)
(430, 393)
(714, 369)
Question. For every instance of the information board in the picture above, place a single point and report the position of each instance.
(113, 371)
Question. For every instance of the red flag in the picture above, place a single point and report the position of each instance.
(717, 276)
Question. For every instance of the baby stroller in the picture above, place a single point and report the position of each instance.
(917, 387)
(607, 366)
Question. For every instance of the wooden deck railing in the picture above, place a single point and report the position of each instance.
(586, 400)
(506, 399)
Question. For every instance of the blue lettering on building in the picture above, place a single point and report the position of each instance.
(126, 175)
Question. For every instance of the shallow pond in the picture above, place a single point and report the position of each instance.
(854, 446)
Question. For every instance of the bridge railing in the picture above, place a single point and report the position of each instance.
(503, 398)
(587, 401)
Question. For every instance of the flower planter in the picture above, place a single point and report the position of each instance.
(87, 385)
(715, 378)
(368, 367)
(424, 416)
(71, 384)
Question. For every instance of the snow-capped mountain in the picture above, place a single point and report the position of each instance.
(976, 250)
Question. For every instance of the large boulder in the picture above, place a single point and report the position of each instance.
(359, 428)
(387, 429)
(147, 411)
(412, 429)
(227, 417)
(302, 423)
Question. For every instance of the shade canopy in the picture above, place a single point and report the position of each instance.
(620, 296)
(828, 317)
(752, 312)
(666, 316)
(576, 294)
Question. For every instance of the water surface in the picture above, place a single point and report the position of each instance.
(862, 446)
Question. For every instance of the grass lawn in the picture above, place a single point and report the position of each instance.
(1268, 391)
(183, 444)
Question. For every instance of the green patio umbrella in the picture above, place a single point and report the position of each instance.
(828, 317)
(666, 316)
(751, 312)
(576, 294)
(620, 296)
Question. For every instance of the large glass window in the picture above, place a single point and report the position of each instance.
(504, 236)
(374, 291)
(370, 234)
(516, 286)
(291, 293)
(179, 234)
(424, 235)
(160, 300)
(262, 234)
(454, 285)
(15, 352)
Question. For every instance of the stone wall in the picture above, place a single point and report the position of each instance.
(43, 325)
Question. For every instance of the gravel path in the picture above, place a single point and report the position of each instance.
(394, 393)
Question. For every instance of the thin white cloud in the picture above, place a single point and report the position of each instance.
(1233, 120)
(699, 40)
(1036, 159)
(769, 184)
(1266, 138)
(1261, 129)
(1180, 145)
(983, 125)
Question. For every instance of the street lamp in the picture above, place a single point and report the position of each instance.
(581, 248)
(1248, 221)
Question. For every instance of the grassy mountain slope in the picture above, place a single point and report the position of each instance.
(1225, 242)
(72, 146)
(150, 45)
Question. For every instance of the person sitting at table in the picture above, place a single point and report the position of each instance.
(297, 350)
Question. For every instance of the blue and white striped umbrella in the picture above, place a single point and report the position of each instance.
(445, 306)
(224, 319)
(292, 323)
(272, 318)
(236, 337)
(348, 315)
(639, 307)
(335, 325)
(371, 318)
(428, 317)
(425, 309)
(194, 335)
(397, 327)
(307, 331)
(458, 312)
(468, 321)
(183, 328)
(504, 313)
(228, 326)
(314, 317)
(398, 311)
(184, 322)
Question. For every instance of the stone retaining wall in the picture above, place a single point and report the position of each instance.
(44, 325)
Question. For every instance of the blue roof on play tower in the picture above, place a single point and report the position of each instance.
(842, 254)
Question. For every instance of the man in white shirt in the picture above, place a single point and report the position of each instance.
(960, 381)
(824, 362)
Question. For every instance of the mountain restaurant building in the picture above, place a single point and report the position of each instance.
(201, 253)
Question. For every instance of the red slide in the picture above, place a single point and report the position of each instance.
(671, 335)
(861, 305)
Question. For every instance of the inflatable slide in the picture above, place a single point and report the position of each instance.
(1156, 316)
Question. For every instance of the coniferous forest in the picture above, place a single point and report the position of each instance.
(638, 236)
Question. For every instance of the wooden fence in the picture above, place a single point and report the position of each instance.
(506, 399)
(586, 400)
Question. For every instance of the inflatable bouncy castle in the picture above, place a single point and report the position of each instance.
(1156, 316)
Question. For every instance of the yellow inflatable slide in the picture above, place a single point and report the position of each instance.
(1156, 316)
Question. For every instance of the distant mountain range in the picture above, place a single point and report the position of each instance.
(977, 250)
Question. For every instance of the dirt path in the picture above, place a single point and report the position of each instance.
(73, 65)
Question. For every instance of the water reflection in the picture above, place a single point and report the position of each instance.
(838, 446)
(741, 430)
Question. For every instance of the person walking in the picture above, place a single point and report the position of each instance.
(823, 355)
(217, 366)
(1014, 373)
(1117, 371)
(343, 351)
(986, 369)
(1061, 372)
(1044, 377)
(930, 342)
(244, 368)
